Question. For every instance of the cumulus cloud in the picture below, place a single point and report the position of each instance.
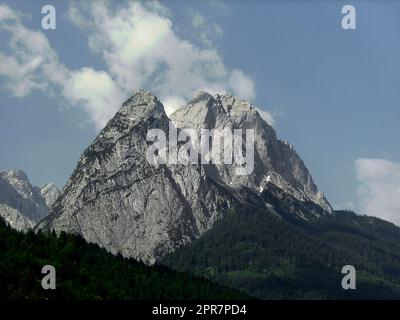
(28, 62)
(205, 29)
(379, 189)
(242, 84)
(172, 103)
(140, 49)
(96, 92)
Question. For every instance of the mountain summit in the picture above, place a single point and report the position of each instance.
(118, 200)
(21, 204)
(276, 161)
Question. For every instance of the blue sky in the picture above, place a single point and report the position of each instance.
(333, 93)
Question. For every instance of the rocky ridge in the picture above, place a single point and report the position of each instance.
(21, 204)
(118, 200)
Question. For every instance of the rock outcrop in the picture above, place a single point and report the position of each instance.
(50, 193)
(275, 161)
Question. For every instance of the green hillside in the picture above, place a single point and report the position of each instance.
(275, 254)
(85, 271)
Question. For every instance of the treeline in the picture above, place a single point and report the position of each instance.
(86, 271)
(276, 257)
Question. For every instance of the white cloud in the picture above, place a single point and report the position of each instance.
(242, 84)
(30, 63)
(7, 13)
(206, 30)
(346, 205)
(172, 103)
(140, 49)
(198, 20)
(96, 92)
(379, 189)
(28, 60)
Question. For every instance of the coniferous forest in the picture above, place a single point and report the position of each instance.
(86, 271)
(250, 254)
(275, 258)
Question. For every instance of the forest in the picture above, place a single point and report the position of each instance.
(86, 271)
(277, 255)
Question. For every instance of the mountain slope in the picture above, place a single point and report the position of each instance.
(117, 199)
(84, 271)
(271, 232)
(271, 253)
(21, 204)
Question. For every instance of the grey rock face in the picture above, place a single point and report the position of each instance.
(275, 161)
(118, 200)
(50, 193)
(21, 204)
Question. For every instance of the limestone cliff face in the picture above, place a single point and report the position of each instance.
(117, 199)
(50, 193)
(21, 204)
(275, 161)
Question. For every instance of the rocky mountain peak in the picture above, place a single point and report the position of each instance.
(117, 199)
(201, 96)
(276, 161)
(21, 204)
(20, 182)
(225, 110)
(141, 110)
(17, 174)
(226, 100)
(142, 104)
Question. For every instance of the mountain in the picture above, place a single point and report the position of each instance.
(275, 161)
(117, 199)
(85, 271)
(21, 204)
(271, 232)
